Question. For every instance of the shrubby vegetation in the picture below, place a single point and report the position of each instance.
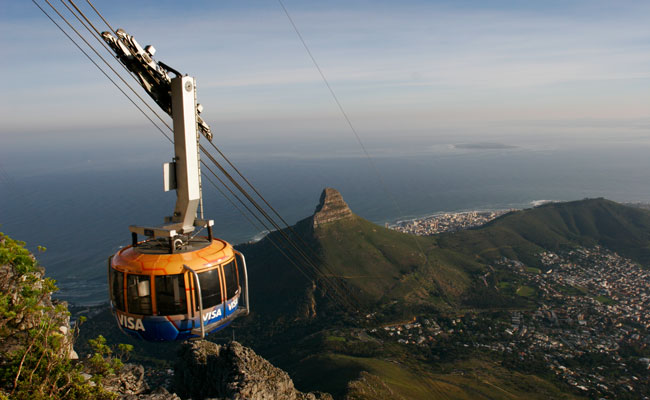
(35, 344)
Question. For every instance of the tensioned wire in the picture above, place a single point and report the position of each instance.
(231, 179)
(88, 24)
(347, 119)
(98, 67)
(277, 247)
(356, 135)
(334, 285)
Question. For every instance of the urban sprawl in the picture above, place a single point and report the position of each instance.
(446, 222)
(588, 325)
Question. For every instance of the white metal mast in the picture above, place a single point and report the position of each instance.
(177, 97)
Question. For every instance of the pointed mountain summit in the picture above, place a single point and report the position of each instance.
(350, 257)
(377, 268)
(331, 208)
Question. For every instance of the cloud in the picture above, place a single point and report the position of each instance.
(418, 62)
(486, 49)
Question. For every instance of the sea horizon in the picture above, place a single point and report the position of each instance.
(80, 210)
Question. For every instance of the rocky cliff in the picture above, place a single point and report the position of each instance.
(129, 384)
(232, 371)
(331, 208)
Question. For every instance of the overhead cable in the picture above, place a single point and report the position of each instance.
(333, 283)
(349, 122)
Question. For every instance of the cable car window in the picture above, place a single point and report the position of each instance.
(117, 289)
(138, 294)
(232, 281)
(170, 294)
(210, 288)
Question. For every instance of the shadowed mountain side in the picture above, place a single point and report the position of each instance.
(385, 265)
(522, 234)
(364, 263)
(277, 286)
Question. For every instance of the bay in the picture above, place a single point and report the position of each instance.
(80, 209)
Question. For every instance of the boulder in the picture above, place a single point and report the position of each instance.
(208, 370)
(128, 381)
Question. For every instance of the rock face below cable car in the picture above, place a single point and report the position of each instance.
(159, 296)
(232, 371)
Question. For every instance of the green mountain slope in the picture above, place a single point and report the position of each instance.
(384, 265)
(375, 267)
(369, 266)
(397, 276)
(521, 234)
(468, 379)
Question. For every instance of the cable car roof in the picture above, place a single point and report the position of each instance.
(140, 260)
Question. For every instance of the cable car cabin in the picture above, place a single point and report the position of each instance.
(198, 289)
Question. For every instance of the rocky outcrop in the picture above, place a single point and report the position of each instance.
(128, 381)
(307, 307)
(370, 387)
(129, 384)
(208, 370)
(157, 394)
(331, 208)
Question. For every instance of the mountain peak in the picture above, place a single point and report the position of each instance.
(331, 208)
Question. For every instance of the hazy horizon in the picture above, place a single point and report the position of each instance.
(417, 69)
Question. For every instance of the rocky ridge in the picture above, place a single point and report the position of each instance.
(129, 384)
(232, 371)
(331, 208)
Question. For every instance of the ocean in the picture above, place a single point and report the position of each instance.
(79, 205)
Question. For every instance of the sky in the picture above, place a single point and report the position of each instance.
(410, 71)
(564, 85)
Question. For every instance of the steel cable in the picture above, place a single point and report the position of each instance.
(334, 285)
(352, 128)
(230, 178)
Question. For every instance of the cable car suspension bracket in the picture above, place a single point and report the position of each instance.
(183, 173)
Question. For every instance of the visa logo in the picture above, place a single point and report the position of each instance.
(233, 304)
(130, 322)
(213, 314)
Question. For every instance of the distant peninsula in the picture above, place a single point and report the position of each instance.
(483, 146)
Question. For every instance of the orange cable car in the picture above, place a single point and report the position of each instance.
(192, 292)
(174, 285)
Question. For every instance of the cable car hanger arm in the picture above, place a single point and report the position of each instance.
(177, 97)
(152, 75)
